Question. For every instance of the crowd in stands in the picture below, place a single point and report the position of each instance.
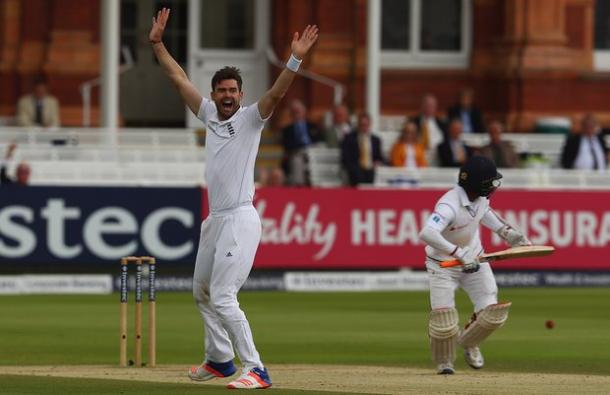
(39, 108)
(429, 138)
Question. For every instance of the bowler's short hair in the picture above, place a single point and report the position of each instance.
(227, 73)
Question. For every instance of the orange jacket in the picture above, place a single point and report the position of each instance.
(398, 155)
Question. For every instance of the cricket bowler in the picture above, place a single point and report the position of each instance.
(231, 233)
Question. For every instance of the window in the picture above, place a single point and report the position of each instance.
(174, 37)
(135, 26)
(601, 32)
(227, 24)
(129, 27)
(425, 33)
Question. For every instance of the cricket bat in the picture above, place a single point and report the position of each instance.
(511, 253)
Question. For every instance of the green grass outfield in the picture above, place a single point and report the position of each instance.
(382, 328)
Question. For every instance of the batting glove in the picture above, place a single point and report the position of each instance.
(470, 262)
(513, 237)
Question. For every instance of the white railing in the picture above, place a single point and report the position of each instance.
(396, 177)
(97, 137)
(87, 86)
(66, 172)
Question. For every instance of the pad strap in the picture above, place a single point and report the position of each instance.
(484, 324)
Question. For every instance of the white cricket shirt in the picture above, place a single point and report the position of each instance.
(231, 147)
(457, 219)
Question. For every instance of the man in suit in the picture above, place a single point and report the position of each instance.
(453, 152)
(361, 152)
(464, 110)
(39, 108)
(296, 137)
(500, 151)
(431, 129)
(587, 150)
(340, 128)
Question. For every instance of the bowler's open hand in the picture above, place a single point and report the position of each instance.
(158, 25)
(301, 45)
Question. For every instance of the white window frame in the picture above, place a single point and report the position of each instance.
(414, 57)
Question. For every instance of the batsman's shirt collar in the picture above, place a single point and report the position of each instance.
(464, 201)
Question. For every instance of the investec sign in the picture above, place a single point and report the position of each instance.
(64, 224)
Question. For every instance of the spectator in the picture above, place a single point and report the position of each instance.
(296, 137)
(431, 128)
(361, 152)
(586, 150)
(340, 127)
(262, 177)
(38, 108)
(464, 110)
(407, 152)
(23, 170)
(273, 177)
(500, 151)
(276, 177)
(453, 152)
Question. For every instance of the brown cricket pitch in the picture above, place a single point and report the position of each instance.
(356, 379)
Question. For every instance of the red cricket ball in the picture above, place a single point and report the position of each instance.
(550, 324)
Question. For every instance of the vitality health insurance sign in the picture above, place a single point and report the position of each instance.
(82, 225)
(376, 229)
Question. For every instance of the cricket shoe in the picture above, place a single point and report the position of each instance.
(445, 368)
(210, 370)
(473, 357)
(255, 378)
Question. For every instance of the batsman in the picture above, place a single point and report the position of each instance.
(452, 231)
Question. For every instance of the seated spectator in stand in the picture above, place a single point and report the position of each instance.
(586, 150)
(276, 177)
(407, 152)
(431, 128)
(273, 177)
(500, 151)
(465, 111)
(361, 152)
(38, 108)
(23, 170)
(340, 128)
(453, 152)
(296, 137)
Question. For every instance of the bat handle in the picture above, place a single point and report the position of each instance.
(452, 263)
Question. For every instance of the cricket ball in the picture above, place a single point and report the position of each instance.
(550, 324)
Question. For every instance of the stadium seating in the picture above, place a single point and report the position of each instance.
(95, 157)
(325, 166)
(79, 156)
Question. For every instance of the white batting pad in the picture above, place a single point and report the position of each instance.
(487, 320)
(443, 329)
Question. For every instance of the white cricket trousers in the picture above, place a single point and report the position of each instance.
(480, 286)
(225, 256)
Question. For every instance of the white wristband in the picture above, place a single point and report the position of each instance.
(293, 63)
